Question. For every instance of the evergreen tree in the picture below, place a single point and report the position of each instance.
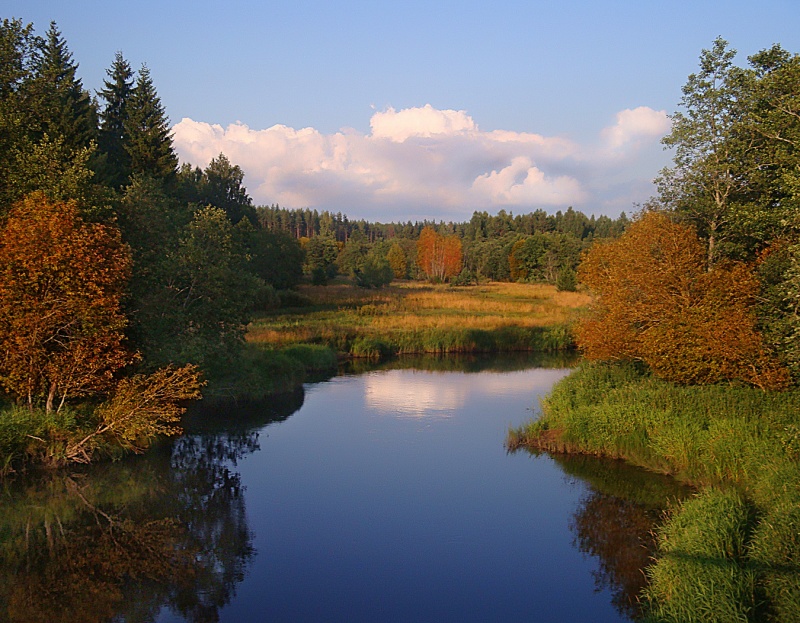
(150, 140)
(59, 105)
(222, 186)
(113, 132)
(19, 49)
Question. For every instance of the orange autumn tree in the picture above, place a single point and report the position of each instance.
(657, 303)
(61, 281)
(439, 257)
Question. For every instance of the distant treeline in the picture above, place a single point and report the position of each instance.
(308, 223)
(536, 246)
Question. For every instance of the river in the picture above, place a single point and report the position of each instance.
(377, 495)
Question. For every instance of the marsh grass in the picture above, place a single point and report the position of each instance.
(421, 318)
(733, 552)
(263, 371)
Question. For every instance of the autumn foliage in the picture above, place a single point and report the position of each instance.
(657, 303)
(61, 280)
(438, 256)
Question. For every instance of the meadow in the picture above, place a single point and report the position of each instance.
(414, 317)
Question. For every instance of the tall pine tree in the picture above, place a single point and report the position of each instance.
(114, 138)
(150, 140)
(60, 106)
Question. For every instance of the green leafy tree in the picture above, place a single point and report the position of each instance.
(209, 294)
(772, 130)
(702, 185)
(222, 185)
(18, 53)
(150, 139)
(321, 254)
(274, 256)
(353, 256)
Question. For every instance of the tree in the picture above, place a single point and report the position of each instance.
(150, 140)
(18, 52)
(440, 257)
(58, 102)
(321, 254)
(61, 281)
(275, 257)
(222, 186)
(397, 261)
(702, 185)
(656, 303)
(114, 138)
(772, 129)
(207, 296)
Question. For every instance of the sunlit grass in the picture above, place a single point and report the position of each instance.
(341, 314)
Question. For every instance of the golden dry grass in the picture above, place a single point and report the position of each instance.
(341, 312)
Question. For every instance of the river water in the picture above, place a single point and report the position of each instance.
(384, 495)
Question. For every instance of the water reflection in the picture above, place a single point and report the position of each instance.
(167, 536)
(615, 522)
(123, 541)
(389, 390)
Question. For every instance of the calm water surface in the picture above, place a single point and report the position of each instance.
(382, 496)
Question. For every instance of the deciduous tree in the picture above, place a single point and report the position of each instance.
(61, 281)
(440, 257)
(707, 174)
(657, 303)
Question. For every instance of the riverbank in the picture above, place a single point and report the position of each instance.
(732, 553)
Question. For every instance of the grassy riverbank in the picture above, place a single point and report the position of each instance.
(422, 318)
(732, 553)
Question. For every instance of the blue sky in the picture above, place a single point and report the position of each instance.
(395, 111)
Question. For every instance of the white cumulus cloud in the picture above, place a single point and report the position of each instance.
(427, 163)
(641, 124)
(421, 122)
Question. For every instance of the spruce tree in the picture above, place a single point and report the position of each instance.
(114, 136)
(149, 138)
(19, 49)
(60, 106)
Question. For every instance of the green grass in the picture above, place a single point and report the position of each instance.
(733, 552)
(263, 371)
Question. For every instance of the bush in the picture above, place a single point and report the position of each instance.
(567, 280)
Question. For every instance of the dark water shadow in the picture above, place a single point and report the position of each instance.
(469, 363)
(124, 540)
(616, 522)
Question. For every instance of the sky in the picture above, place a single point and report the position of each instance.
(397, 111)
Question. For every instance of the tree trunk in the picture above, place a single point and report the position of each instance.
(51, 397)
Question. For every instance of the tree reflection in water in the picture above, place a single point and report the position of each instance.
(616, 522)
(122, 541)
